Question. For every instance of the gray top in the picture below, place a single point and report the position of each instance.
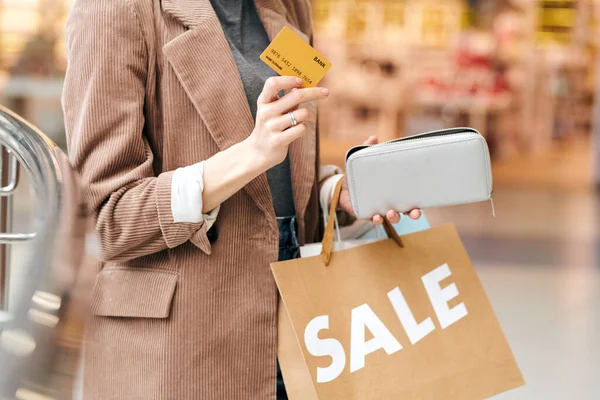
(247, 39)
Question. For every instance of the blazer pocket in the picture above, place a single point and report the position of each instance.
(135, 293)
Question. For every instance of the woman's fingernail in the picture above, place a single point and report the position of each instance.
(299, 81)
(325, 92)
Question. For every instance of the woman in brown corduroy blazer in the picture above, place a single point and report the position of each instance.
(151, 88)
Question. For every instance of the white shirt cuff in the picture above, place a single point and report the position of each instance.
(186, 196)
(327, 171)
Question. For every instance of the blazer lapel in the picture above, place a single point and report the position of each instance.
(274, 17)
(188, 12)
(204, 65)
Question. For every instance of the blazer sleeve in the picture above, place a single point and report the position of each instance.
(103, 102)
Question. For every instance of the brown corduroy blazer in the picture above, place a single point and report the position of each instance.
(152, 86)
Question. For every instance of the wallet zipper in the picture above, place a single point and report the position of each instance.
(422, 136)
(444, 132)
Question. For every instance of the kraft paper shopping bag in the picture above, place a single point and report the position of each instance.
(401, 318)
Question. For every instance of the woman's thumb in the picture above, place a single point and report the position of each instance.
(371, 140)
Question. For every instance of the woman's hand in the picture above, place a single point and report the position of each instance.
(392, 215)
(275, 128)
(229, 170)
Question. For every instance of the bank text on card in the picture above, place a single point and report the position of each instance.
(289, 55)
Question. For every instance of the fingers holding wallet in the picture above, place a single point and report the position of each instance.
(394, 216)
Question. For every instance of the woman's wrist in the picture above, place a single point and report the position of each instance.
(230, 170)
(257, 160)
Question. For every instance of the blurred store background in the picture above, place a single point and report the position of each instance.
(33, 61)
(522, 72)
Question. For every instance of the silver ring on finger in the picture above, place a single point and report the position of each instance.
(293, 118)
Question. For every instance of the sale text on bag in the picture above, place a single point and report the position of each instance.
(363, 317)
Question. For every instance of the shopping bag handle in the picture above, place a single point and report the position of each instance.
(327, 244)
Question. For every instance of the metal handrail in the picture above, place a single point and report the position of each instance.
(24, 331)
(7, 191)
(14, 176)
(10, 238)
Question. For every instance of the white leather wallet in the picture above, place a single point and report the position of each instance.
(439, 168)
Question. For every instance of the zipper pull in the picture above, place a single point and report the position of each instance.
(492, 202)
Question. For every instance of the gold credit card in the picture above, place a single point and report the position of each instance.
(289, 55)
